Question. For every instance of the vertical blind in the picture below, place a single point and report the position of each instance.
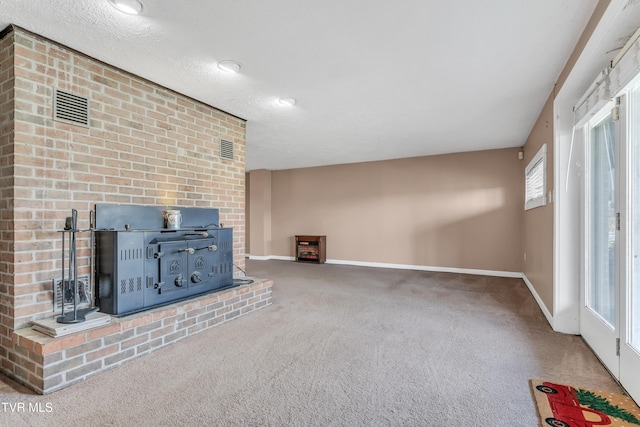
(610, 81)
(534, 194)
(534, 181)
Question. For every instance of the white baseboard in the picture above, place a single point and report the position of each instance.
(427, 268)
(258, 257)
(543, 307)
(268, 257)
(399, 266)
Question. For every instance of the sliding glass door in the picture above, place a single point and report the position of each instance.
(610, 309)
(630, 291)
(600, 306)
(602, 225)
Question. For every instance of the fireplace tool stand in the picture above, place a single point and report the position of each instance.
(71, 283)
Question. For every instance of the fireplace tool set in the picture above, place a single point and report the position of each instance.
(70, 285)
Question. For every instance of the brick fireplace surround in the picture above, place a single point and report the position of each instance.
(145, 145)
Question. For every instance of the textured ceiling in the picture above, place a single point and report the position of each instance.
(373, 79)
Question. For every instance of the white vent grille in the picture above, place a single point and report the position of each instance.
(226, 149)
(70, 108)
(65, 293)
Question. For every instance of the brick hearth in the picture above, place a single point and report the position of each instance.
(48, 364)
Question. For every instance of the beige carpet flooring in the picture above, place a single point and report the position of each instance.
(340, 346)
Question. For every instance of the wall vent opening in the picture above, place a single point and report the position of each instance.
(226, 149)
(70, 108)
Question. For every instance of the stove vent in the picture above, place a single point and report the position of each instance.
(226, 149)
(70, 108)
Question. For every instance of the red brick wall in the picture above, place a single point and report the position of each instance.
(6, 191)
(145, 145)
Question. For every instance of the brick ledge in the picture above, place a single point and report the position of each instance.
(46, 364)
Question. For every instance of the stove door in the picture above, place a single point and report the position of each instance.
(201, 263)
(171, 281)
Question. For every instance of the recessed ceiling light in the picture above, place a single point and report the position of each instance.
(229, 66)
(132, 7)
(287, 101)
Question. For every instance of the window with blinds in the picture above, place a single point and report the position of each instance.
(535, 177)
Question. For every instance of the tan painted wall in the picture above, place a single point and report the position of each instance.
(538, 222)
(259, 195)
(458, 210)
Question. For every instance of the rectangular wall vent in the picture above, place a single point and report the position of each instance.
(70, 108)
(226, 149)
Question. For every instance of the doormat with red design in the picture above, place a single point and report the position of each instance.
(566, 406)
